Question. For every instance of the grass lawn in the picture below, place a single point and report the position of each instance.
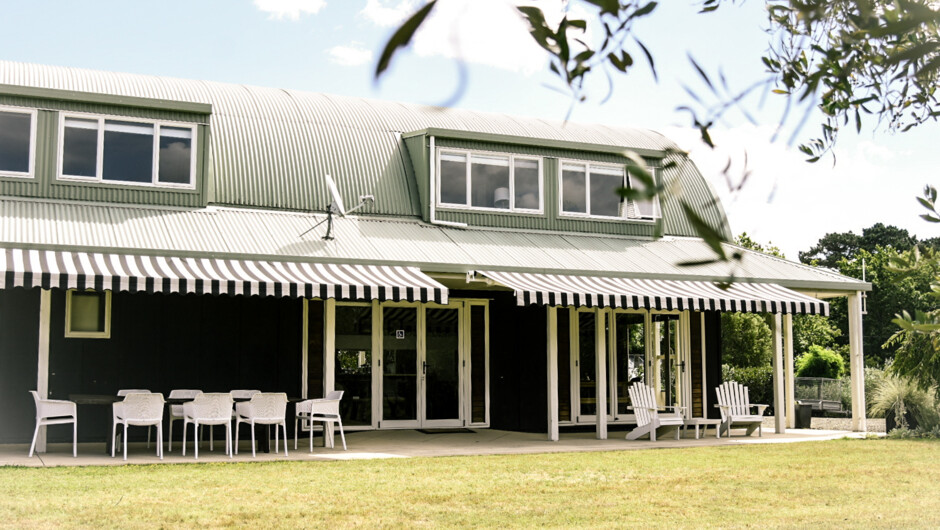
(843, 483)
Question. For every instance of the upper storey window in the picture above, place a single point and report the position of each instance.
(148, 153)
(591, 190)
(17, 142)
(489, 181)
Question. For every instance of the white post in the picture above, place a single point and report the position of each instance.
(857, 363)
(780, 413)
(791, 381)
(551, 327)
(600, 370)
(329, 359)
(304, 348)
(42, 370)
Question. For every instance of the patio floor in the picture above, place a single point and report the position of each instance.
(401, 444)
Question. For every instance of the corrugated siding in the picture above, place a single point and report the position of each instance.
(240, 233)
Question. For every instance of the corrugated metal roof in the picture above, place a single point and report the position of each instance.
(241, 233)
(271, 147)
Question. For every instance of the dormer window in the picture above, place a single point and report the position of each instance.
(490, 181)
(590, 190)
(17, 142)
(127, 151)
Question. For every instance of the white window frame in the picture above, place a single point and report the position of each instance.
(154, 174)
(512, 181)
(103, 334)
(32, 142)
(628, 181)
(657, 207)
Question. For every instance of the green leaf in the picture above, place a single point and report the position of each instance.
(402, 37)
(711, 236)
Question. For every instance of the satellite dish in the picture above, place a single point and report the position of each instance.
(337, 203)
(337, 207)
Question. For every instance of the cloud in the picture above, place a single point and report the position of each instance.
(792, 203)
(290, 9)
(354, 54)
(386, 14)
(488, 32)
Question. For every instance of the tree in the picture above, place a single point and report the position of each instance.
(745, 340)
(820, 362)
(834, 247)
(918, 340)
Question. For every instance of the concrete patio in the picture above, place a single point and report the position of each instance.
(402, 444)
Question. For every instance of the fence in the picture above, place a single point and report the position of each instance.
(822, 393)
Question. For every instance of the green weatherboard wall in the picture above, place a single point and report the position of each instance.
(44, 183)
(691, 184)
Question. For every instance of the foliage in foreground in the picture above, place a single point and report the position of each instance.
(901, 398)
(841, 483)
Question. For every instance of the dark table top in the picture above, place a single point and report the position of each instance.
(107, 399)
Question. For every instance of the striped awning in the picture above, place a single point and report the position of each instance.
(158, 274)
(597, 291)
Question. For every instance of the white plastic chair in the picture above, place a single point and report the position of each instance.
(244, 394)
(124, 392)
(208, 409)
(265, 408)
(55, 412)
(325, 410)
(176, 411)
(139, 410)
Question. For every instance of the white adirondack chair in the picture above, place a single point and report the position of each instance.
(735, 406)
(649, 419)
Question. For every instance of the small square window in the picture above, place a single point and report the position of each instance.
(88, 314)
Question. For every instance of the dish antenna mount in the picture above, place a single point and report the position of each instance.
(336, 207)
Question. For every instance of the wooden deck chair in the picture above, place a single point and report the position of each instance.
(735, 406)
(649, 419)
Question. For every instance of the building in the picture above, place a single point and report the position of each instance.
(156, 233)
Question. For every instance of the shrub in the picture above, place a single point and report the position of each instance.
(759, 381)
(820, 362)
(901, 398)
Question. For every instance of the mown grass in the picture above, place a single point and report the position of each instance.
(867, 483)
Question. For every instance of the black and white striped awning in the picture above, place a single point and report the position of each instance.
(596, 291)
(157, 274)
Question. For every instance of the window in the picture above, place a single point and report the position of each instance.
(591, 190)
(144, 153)
(88, 314)
(490, 181)
(17, 141)
(648, 209)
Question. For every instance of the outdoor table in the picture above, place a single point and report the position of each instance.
(704, 423)
(98, 400)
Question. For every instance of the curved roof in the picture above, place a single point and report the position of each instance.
(270, 147)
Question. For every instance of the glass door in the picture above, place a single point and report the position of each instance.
(667, 359)
(422, 359)
(440, 367)
(400, 366)
(629, 357)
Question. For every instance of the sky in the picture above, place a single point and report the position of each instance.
(475, 54)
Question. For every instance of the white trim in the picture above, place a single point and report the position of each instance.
(42, 370)
(33, 113)
(377, 356)
(551, 326)
(600, 370)
(155, 162)
(788, 371)
(703, 370)
(780, 412)
(305, 349)
(857, 363)
(329, 360)
(469, 153)
(103, 334)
